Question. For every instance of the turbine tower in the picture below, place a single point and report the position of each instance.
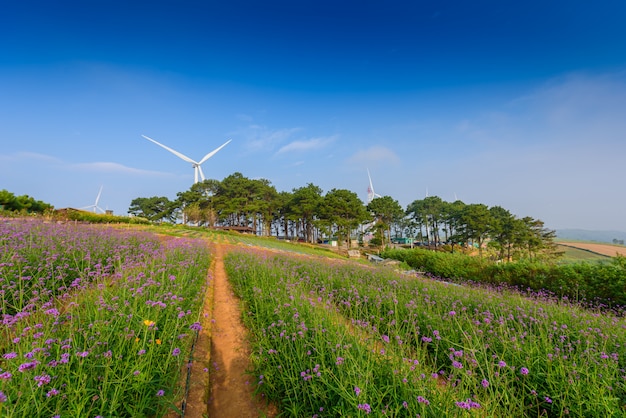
(195, 164)
(95, 206)
(371, 194)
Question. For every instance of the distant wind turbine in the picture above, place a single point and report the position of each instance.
(371, 194)
(95, 206)
(195, 164)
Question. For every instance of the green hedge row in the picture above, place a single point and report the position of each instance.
(581, 282)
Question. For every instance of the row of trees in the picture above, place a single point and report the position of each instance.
(11, 203)
(308, 214)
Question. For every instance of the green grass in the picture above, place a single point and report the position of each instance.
(235, 238)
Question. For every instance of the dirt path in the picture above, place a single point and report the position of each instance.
(230, 391)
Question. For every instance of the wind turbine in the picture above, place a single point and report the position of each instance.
(195, 164)
(371, 194)
(95, 206)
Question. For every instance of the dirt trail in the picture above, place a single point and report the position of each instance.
(230, 389)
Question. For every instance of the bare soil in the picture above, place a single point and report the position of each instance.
(219, 384)
(603, 249)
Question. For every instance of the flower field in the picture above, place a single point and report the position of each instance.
(95, 322)
(335, 339)
(103, 322)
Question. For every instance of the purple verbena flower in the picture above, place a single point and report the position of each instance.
(41, 380)
(52, 392)
(28, 366)
(365, 407)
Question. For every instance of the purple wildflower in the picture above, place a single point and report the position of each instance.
(485, 383)
(467, 404)
(41, 380)
(53, 312)
(523, 371)
(357, 390)
(160, 393)
(10, 355)
(5, 375)
(385, 338)
(501, 363)
(365, 407)
(176, 351)
(423, 400)
(3, 397)
(457, 365)
(195, 326)
(28, 366)
(52, 392)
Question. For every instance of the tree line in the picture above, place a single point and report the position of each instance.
(11, 203)
(308, 214)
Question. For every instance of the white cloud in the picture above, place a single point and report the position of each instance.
(373, 155)
(28, 156)
(307, 145)
(112, 168)
(262, 138)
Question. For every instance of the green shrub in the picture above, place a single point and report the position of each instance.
(581, 282)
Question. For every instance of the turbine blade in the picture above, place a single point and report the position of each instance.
(374, 194)
(201, 173)
(98, 198)
(176, 153)
(212, 153)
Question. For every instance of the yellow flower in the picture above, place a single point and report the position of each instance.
(137, 339)
(158, 341)
(148, 323)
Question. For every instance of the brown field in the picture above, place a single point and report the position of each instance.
(604, 249)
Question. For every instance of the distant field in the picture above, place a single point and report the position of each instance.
(602, 249)
(571, 254)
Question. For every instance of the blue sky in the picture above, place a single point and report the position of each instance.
(516, 104)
